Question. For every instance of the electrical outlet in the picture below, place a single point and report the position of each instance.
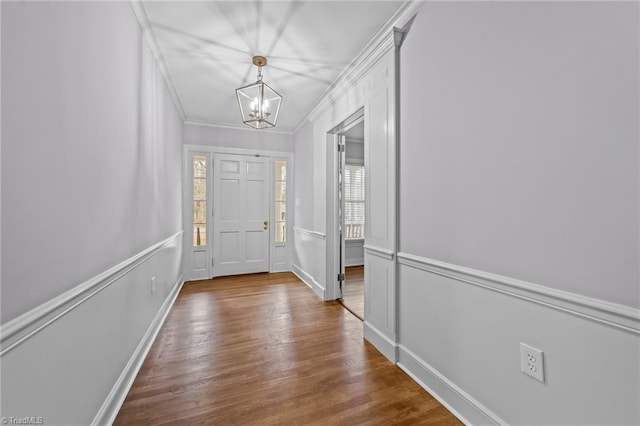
(153, 285)
(532, 362)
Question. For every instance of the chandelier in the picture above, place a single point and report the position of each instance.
(259, 103)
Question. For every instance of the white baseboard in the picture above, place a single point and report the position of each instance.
(116, 397)
(386, 346)
(460, 334)
(461, 404)
(354, 262)
(72, 359)
(309, 281)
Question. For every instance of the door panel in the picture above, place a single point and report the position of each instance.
(229, 191)
(241, 214)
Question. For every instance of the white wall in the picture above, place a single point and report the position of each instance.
(91, 207)
(354, 151)
(91, 154)
(519, 209)
(303, 144)
(520, 143)
(354, 252)
(266, 140)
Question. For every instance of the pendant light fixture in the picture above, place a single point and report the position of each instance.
(259, 103)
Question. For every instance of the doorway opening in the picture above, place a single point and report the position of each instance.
(237, 204)
(351, 214)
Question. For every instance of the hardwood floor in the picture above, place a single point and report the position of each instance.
(353, 291)
(263, 349)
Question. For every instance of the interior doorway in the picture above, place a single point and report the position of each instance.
(351, 202)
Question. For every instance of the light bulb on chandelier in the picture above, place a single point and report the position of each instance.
(259, 104)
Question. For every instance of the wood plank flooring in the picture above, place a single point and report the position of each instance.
(262, 350)
(353, 291)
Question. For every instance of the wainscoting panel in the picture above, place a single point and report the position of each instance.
(354, 252)
(380, 300)
(72, 360)
(459, 336)
(309, 259)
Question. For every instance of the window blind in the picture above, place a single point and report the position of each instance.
(353, 202)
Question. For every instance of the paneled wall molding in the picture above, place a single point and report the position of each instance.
(381, 42)
(20, 329)
(459, 402)
(379, 251)
(612, 314)
(310, 233)
(109, 410)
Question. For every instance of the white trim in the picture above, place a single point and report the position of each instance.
(310, 233)
(354, 161)
(354, 241)
(20, 329)
(379, 252)
(308, 280)
(237, 151)
(460, 403)
(111, 406)
(380, 43)
(187, 214)
(236, 127)
(612, 314)
(359, 261)
(382, 343)
(143, 20)
(187, 149)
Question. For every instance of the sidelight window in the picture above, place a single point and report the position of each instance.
(199, 200)
(281, 201)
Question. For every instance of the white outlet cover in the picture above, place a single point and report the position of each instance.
(532, 362)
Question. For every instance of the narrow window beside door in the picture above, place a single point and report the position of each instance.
(199, 200)
(281, 201)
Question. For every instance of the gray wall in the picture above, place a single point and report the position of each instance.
(248, 138)
(354, 150)
(91, 147)
(519, 150)
(303, 177)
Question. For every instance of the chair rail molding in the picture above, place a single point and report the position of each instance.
(310, 233)
(72, 359)
(21, 328)
(612, 314)
(379, 251)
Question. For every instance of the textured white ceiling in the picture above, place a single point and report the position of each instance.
(207, 48)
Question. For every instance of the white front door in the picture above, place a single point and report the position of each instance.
(240, 214)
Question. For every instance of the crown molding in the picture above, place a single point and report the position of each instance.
(386, 38)
(236, 127)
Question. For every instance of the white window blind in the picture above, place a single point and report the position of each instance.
(354, 202)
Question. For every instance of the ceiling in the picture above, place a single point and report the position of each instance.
(207, 48)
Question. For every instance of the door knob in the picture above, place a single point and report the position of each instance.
(265, 224)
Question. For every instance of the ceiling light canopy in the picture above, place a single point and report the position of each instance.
(259, 103)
